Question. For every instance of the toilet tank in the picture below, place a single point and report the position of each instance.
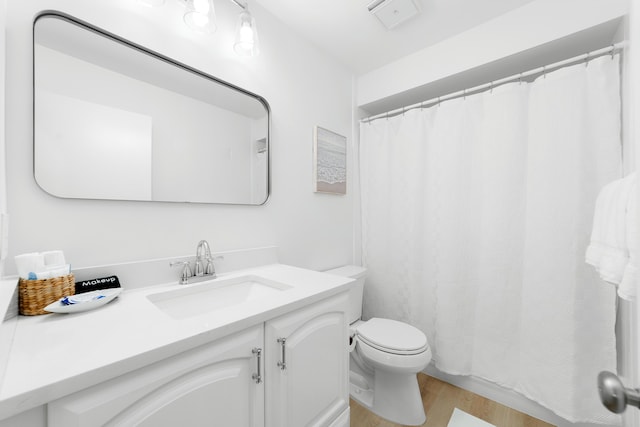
(356, 292)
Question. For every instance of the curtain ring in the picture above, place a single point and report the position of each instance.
(586, 60)
(520, 79)
(438, 102)
(464, 94)
(491, 88)
(544, 71)
(613, 48)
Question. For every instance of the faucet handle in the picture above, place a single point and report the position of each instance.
(210, 268)
(186, 271)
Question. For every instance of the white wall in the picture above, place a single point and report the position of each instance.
(3, 197)
(304, 88)
(534, 35)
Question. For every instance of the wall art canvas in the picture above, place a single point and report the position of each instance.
(330, 162)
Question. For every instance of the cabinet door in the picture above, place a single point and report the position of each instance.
(208, 386)
(311, 387)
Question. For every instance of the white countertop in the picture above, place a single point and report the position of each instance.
(57, 354)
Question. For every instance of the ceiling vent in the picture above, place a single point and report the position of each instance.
(393, 12)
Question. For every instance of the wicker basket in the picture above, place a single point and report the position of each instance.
(35, 295)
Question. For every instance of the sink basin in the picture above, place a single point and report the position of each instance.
(196, 299)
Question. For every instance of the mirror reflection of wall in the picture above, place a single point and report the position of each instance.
(98, 168)
(134, 127)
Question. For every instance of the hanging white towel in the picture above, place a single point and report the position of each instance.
(613, 250)
(627, 287)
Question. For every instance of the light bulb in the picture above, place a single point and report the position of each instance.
(201, 6)
(246, 43)
(246, 34)
(200, 20)
(200, 16)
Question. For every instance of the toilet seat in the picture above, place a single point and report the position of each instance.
(391, 336)
(392, 362)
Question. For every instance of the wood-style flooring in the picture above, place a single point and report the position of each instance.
(440, 398)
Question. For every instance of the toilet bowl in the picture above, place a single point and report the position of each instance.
(385, 357)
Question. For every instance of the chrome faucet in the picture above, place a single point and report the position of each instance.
(203, 268)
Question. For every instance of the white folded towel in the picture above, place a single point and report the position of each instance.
(613, 250)
(29, 263)
(53, 258)
(42, 265)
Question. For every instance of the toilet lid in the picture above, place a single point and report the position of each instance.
(392, 336)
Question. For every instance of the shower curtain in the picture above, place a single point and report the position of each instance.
(476, 214)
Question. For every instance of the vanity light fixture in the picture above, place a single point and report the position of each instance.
(200, 16)
(246, 43)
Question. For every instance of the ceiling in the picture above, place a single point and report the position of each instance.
(346, 30)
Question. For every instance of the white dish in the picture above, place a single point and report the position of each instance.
(85, 301)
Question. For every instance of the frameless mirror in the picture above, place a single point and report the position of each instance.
(115, 121)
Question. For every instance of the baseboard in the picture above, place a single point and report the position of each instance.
(505, 397)
(343, 419)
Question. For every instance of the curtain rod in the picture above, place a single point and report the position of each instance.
(586, 57)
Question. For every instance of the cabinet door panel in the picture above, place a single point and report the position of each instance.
(311, 379)
(199, 398)
(209, 385)
(312, 390)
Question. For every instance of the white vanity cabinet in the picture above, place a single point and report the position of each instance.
(214, 384)
(307, 366)
(217, 384)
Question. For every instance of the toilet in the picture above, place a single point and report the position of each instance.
(385, 357)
